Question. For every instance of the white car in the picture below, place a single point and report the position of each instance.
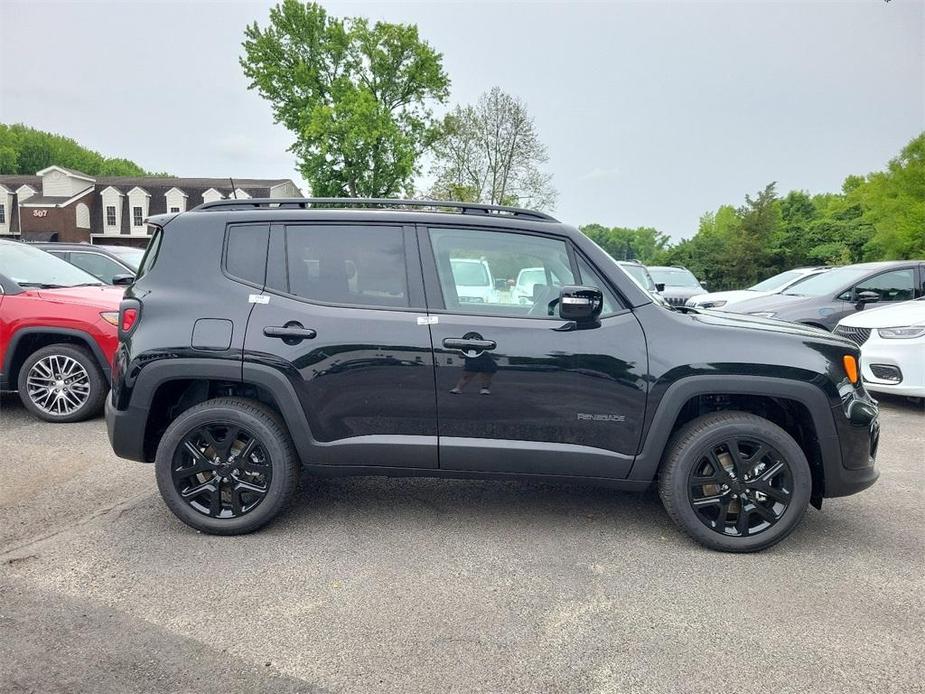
(474, 282)
(892, 340)
(772, 285)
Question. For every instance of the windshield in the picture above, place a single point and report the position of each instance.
(778, 282)
(470, 273)
(30, 267)
(131, 256)
(828, 282)
(673, 277)
(638, 273)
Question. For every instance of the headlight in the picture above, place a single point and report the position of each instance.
(903, 333)
(111, 317)
(712, 304)
(764, 314)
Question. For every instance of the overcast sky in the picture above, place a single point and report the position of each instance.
(652, 112)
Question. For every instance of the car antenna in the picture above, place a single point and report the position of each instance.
(233, 191)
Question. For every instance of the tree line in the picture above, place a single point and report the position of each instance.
(880, 216)
(25, 150)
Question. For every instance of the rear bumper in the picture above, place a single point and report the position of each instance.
(126, 430)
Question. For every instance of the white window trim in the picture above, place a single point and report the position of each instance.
(112, 197)
(138, 197)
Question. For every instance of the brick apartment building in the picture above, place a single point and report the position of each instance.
(59, 204)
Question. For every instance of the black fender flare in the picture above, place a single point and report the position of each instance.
(645, 466)
(128, 427)
(10, 378)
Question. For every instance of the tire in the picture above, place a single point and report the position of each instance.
(56, 399)
(271, 465)
(773, 503)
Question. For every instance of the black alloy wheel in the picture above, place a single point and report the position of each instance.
(222, 471)
(227, 466)
(735, 481)
(740, 487)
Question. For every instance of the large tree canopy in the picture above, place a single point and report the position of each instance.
(356, 96)
(25, 150)
(491, 152)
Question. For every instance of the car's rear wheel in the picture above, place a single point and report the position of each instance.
(62, 383)
(227, 466)
(735, 482)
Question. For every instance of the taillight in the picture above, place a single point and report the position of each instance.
(127, 321)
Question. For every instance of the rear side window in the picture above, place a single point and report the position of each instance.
(352, 265)
(246, 255)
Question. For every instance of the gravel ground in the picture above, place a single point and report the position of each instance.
(445, 586)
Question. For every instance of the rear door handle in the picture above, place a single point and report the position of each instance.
(292, 333)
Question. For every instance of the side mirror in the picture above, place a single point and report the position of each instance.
(862, 298)
(500, 284)
(580, 304)
(659, 286)
(704, 284)
(123, 280)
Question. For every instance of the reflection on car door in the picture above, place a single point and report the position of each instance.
(343, 319)
(518, 391)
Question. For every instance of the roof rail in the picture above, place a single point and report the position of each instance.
(361, 203)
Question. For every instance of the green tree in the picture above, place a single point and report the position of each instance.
(356, 96)
(644, 244)
(893, 204)
(25, 150)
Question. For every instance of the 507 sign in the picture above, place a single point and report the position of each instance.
(39, 213)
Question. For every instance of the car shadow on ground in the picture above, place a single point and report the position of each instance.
(899, 402)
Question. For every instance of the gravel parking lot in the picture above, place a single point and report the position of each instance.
(443, 586)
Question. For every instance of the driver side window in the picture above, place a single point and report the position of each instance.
(500, 273)
(898, 285)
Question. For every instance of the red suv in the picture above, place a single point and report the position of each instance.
(58, 333)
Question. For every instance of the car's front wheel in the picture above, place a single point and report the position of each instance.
(227, 466)
(62, 383)
(734, 481)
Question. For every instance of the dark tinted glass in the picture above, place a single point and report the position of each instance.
(897, 285)
(150, 256)
(247, 252)
(500, 273)
(363, 266)
(97, 265)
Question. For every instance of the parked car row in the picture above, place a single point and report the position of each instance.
(877, 305)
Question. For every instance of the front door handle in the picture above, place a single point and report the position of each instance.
(468, 346)
(292, 333)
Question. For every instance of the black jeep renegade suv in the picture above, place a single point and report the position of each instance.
(454, 340)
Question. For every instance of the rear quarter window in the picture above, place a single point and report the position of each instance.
(246, 252)
(150, 256)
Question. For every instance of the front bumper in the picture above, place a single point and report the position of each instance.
(857, 425)
(908, 356)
